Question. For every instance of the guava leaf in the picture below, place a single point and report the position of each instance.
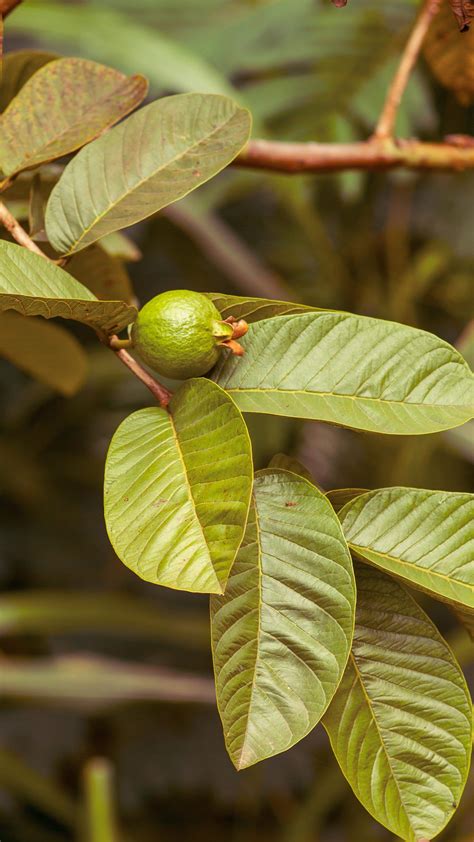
(46, 351)
(451, 56)
(156, 156)
(17, 68)
(351, 370)
(423, 537)
(61, 107)
(281, 634)
(255, 309)
(177, 489)
(289, 463)
(103, 274)
(34, 286)
(338, 497)
(400, 722)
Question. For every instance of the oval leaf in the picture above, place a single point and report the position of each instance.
(17, 68)
(177, 489)
(64, 105)
(423, 537)
(34, 286)
(103, 274)
(281, 635)
(155, 157)
(46, 351)
(351, 370)
(400, 722)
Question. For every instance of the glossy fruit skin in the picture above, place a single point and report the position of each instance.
(178, 333)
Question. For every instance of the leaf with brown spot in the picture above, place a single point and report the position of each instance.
(63, 106)
(17, 68)
(451, 56)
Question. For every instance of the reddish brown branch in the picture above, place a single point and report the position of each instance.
(18, 233)
(366, 155)
(386, 123)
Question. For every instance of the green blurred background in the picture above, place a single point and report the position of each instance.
(94, 662)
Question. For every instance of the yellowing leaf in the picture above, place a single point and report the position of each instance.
(351, 370)
(63, 105)
(156, 156)
(282, 632)
(46, 351)
(34, 286)
(424, 537)
(400, 722)
(177, 489)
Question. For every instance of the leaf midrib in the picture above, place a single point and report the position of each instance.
(405, 403)
(73, 246)
(452, 581)
(193, 503)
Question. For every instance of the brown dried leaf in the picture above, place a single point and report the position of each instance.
(463, 12)
(451, 57)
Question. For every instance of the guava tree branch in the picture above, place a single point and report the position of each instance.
(386, 123)
(19, 234)
(373, 154)
(7, 6)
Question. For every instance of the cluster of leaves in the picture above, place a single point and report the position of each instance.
(183, 509)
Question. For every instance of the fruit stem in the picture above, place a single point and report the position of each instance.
(160, 392)
(117, 344)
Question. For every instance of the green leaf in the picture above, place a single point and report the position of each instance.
(34, 286)
(177, 489)
(17, 68)
(254, 309)
(64, 105)
(400, 722)
(281, 634)
(46, 351)
(423, 537)
(466, 618)
(155, 157)
(118, 245)
(351, 370)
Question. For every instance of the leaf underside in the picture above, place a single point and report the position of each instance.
(423, 537)
(63, 106)
(282, 632)
(177, 489)
(17, 68)
(351, 370)
(400, 722)
(34, 286)
(155, 157)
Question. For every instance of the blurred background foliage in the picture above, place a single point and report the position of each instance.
(95, 662)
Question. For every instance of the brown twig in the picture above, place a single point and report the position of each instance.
(19, 234)
(386, 123)
(7, 6)
(373, 154)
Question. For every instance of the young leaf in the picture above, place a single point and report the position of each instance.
(17, 68)
(46, 351)
(64, 105)
(351, 370)
(281, 635)
(34, 286)
(155, 157)
(400, 722)
(423, 537)
(450, 57)
(177, 489)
